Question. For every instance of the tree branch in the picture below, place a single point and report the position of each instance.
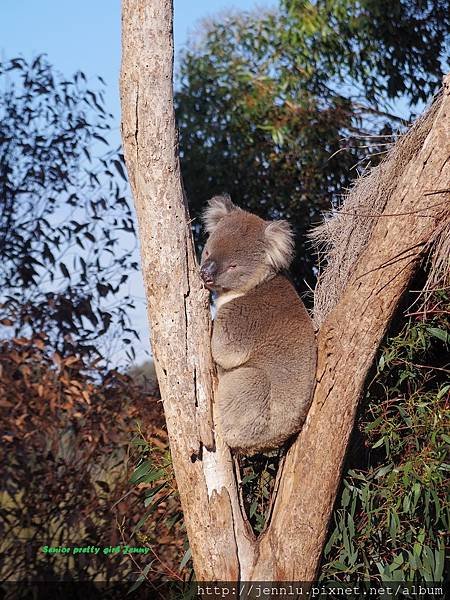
(223, 546)
(348, 341)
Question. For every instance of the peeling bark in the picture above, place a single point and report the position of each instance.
(178, 305)
(223, 546)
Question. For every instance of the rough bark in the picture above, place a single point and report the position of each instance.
(177, 302)
(223, 547)
(347, 343)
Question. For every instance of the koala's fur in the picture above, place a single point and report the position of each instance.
(263, 339)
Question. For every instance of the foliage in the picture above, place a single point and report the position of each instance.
(162, 526)
(66, 232)
(258, 475)
(392, 517)
(264, 104)
(381, 49)
(64, 214)
(64, 468)
(243, 131)
(277, 108)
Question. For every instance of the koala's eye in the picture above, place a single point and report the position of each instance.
(231, 267)
(206, 253)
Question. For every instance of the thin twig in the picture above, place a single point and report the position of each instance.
(400, 214)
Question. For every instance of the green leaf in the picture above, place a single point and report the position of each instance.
(185, 559)
(150, 494)
(333, 537)
(374, 424)
(142, 577)
(440, 334)
(248, 478)
(142, 470)
(439, 560)
(345, 498)
(383, 470)
(153, 476)
(443, 391)
(379, 443)
(340, 566)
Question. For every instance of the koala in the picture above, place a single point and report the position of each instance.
(263, 340)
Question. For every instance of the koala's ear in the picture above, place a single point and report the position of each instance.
(218, 207)
(280, 244)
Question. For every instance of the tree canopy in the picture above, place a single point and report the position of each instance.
(279, 108)
(65, 215)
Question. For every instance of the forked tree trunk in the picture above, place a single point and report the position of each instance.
(223, 546)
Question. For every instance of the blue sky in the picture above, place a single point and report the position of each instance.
(85, 35)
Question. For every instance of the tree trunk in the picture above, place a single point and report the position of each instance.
(177, 301)
(223, 545)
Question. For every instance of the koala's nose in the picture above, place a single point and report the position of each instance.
(208, 270)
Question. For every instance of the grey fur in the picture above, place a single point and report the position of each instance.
(263, 339)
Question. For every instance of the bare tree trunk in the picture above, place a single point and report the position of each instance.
(177, 302)
(223, 545)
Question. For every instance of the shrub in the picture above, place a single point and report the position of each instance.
(392, 517)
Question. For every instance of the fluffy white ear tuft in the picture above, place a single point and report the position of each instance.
(280, 244)
(218, 207)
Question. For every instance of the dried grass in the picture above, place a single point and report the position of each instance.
(342, 237)
(438, 267)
